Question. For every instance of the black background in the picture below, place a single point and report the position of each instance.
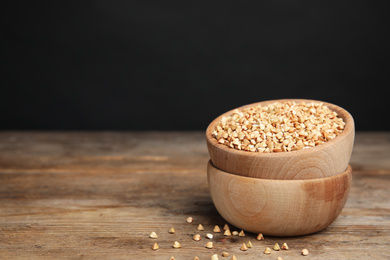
(158, 65)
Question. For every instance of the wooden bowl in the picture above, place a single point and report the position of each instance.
(327, 159)
(278, 207)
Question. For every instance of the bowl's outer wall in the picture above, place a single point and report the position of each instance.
(278, 207)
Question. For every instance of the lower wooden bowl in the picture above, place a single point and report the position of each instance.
(278, 207)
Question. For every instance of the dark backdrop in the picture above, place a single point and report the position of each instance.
(158, 65)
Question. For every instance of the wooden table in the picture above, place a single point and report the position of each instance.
(98, 195)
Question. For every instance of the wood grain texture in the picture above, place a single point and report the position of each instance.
(278, 207)
(99, 195)
(325, 160)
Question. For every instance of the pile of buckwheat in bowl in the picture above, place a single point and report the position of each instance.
(278, 127)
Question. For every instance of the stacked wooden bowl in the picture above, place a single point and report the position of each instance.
(282, 194)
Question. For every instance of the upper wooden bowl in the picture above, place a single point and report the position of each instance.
(324, 160)
(278, 207)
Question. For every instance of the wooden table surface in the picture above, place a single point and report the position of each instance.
(98, 195)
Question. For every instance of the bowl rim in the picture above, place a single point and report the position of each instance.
(347, 171)
(347, 117)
